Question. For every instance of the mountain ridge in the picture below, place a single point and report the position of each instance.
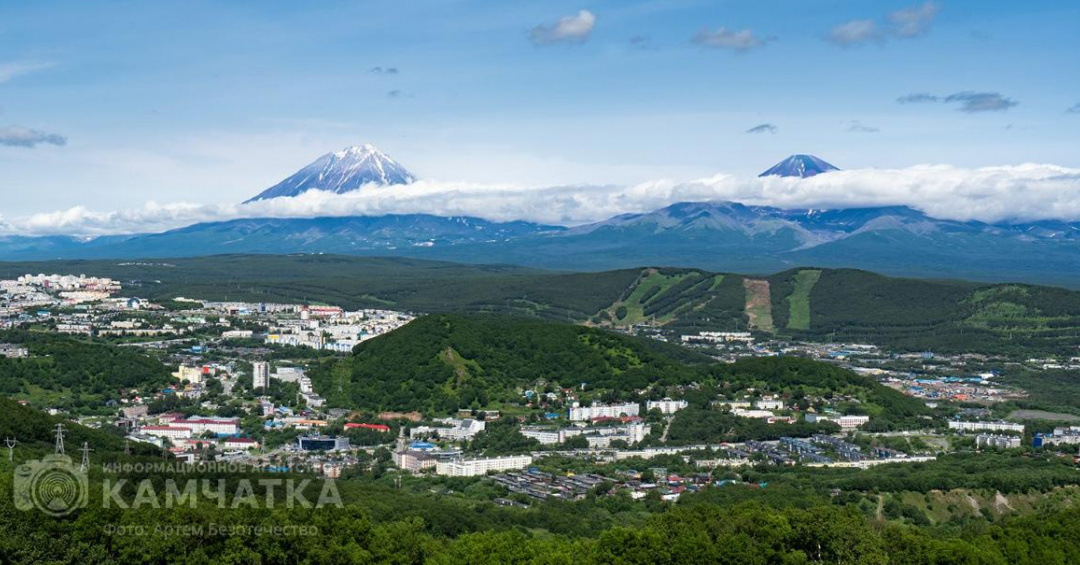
(723, 236)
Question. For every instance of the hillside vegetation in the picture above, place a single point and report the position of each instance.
(441, 363)
(444, 362)
(35, 432)
(840, 304)
(70, 372)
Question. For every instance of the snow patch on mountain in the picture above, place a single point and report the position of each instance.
(342, 171)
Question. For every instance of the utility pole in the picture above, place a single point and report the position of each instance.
(59, 439)
(85, 465)
(11, 447)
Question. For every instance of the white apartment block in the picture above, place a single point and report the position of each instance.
(580, 413)
(667, 405)
(460, 430)
(480, 467)
(220, 426)
(598, 437)
(982, 426)
(545, 437)
(769, 404)
(260, 374)
(999, 442)
(171, 432)
(847, 422)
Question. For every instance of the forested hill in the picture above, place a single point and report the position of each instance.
(444, 362)
(441, 363)
(841, 304)
(851, 305)
(35, 432)
(72, 372)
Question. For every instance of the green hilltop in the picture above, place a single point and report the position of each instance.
(445, 362)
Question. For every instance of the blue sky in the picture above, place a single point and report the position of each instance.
(211, 102)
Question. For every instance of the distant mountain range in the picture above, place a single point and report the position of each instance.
(719, 236)
(722, 236)
(340, 172)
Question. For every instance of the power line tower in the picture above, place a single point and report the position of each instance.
(85, 465)
(11, 447)
(127, 447)
(59, 439)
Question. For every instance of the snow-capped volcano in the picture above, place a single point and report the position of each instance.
(801, 166)
(342, 171)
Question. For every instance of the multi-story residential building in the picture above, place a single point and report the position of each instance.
(240, 443)
(578, 413)
(212, 424)
(997, 441)
(846, 422)
(171, 432)
(666, 406)
(598, 437)
(480, 467)
(414, 461)
(260, 375)
(986, 426)
(769, 404)
(462, 429)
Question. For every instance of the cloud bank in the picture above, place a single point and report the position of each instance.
(1007, 193)
(16, 136)
(568, 29)
(970, 102)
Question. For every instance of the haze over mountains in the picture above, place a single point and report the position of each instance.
(722, 236)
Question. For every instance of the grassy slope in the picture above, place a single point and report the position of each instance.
(799, 299)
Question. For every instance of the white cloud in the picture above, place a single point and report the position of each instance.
(15, 136)
(914, 21)
(1021, 192)
(568, 29)
(9, 71)
(738, 41)
(854, 33)
(902, 24)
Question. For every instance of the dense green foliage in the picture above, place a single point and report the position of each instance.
(694, 425)
(1001, 472)
(73, 372)
(803, 377)
(357, 282)
(793, 520)
(441, 363)
(35, 432)
(698, 530)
